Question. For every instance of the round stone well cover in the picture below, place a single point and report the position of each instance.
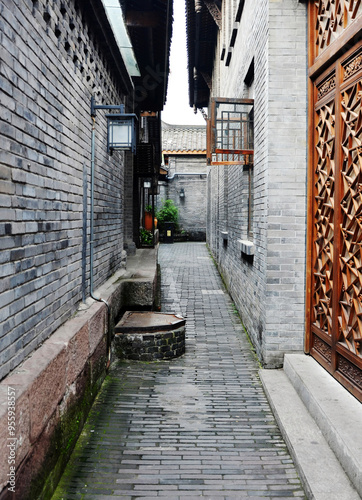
(148, 321)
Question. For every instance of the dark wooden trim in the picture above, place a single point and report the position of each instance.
(145, 19)
(214, 12)
(228, 163)
(337, 216)
(337, 49)
(348, 385)
(234, 151)
(310, 219)
(240, 10)
(231, 100)
(346, 353)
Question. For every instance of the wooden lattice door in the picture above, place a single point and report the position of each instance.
(336, 298)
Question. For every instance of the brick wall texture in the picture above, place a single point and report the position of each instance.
(51, 65)
(269, 290)
(188, 172)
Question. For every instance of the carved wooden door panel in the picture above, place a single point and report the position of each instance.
(323, 236)
(336, 298)
(334, 280)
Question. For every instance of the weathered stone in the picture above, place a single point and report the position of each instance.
(137, 336)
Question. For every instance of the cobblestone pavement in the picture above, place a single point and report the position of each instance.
(196, 426)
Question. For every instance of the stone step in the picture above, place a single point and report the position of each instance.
(320, 422)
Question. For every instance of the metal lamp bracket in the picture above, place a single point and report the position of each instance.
(94, 107)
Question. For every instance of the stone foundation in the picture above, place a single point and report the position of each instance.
(145, 336)
(55, 387)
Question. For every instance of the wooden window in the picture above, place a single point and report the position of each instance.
(232, 131)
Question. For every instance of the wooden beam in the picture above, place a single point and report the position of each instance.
(241, 163)
(234, 151)
(207, 79)
(340, 46)
(144, 19)
(214, 11)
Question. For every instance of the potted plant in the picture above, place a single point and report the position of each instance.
(146, 237)
(148, 218)
(168, 212)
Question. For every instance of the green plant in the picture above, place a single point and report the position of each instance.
(146, 237)
(168, 212)
(148, 208)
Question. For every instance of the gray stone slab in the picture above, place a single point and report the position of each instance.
(321, 473)
(337, 413)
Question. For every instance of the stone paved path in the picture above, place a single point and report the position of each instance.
(198, 426)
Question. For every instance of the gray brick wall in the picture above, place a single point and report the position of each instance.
(191, 208)
(269, 290)
(51, 65)
(128, 202)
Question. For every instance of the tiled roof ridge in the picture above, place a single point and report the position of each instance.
(183, 137)
(182, 127)
(184, 151)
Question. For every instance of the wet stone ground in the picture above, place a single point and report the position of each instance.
(196, 426)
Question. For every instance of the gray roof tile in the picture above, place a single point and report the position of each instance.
(183, 137)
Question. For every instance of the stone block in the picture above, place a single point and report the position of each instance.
(74, 335)
(97, 325)
(78, 352)
(41, 456)
(98, 362)
(43, 376)
(4, 434)
(138, 293)
(22, 425)
(246, 247)
(149, 336)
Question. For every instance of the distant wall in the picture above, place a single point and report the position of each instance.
(191, 177)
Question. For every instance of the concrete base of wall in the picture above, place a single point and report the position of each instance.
(275, 359)
(45, 401)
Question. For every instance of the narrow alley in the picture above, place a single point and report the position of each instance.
(220, 142)
(197, 426)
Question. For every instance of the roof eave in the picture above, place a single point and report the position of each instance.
(149, 25)
(202, 32)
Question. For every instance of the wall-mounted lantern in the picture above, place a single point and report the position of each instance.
(121, 135)
(121, 128)
(182, 193)
(121, 132)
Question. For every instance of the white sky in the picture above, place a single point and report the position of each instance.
(177, 110)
